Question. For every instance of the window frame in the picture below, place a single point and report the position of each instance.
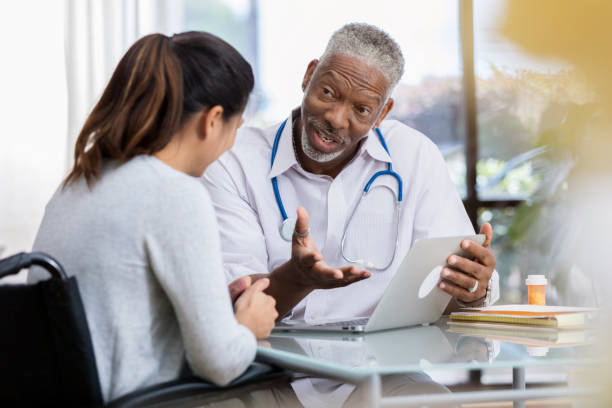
(473, 203)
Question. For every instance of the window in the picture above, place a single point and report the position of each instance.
(279, 46)
(522, 102)
(488, 106)
(518, 98)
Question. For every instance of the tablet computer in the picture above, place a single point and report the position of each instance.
(411, 298)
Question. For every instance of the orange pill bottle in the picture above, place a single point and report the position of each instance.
(536, 289)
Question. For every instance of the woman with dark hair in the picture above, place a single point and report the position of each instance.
(135, 225)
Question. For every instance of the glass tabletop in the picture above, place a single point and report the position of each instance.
(440, 346)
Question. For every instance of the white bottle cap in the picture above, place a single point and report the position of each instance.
(537, 351)
(536, 280)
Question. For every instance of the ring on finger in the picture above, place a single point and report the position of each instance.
(473, 288)
(300, 234)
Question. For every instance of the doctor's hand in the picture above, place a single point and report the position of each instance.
(464, 274)
(237, 287)
(310, 270)
(256, 310)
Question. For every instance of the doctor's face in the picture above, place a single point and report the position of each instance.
(344, 98)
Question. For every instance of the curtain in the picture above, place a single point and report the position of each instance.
(97, 34)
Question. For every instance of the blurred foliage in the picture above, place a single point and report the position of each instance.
(563, 142)
(518, 111)
(515, 109)
(530, 242)
(579, 33)
(520, 181)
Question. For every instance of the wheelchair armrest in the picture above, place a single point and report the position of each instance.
(14, 264)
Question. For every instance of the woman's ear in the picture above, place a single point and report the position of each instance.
(210, 121)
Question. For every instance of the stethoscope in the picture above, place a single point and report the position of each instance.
(287, 226)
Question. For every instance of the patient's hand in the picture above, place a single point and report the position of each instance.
(256, 310)
(309, 268)
(464, 273)
(238, 286)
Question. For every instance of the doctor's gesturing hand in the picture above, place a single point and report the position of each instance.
(309, 267)
(467, 280)
(306, 270)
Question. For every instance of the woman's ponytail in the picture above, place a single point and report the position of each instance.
(157, 84)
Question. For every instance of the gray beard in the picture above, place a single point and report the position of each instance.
(314, 154)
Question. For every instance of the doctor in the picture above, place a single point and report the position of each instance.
(310, 171)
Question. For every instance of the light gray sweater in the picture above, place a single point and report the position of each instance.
(144, 246)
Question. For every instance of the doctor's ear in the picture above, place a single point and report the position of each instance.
(309, 72)
(210, 120)
(383, 113)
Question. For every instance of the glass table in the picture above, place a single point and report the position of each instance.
(363, 358)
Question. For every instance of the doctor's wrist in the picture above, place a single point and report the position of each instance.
(286, 277)
(476, 303)
(284, 288)
(482, 302)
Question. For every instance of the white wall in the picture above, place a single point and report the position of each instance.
(32, 116)
(36, 143)
(293, 33)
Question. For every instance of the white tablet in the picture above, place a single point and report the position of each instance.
(412, 297)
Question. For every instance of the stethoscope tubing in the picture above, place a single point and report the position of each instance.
(390, 172)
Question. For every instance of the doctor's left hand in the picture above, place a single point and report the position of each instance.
(465, 274)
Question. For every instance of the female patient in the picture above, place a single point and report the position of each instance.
(137, 228)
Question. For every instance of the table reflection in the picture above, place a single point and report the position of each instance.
(311, 392)
(401, 356)
(423, 347)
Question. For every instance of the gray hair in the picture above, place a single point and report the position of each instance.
(371, 45)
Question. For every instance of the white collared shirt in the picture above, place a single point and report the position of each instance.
(249, 218)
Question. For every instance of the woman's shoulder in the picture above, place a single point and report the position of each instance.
(174, 191)
(142, 190)
(148, 175)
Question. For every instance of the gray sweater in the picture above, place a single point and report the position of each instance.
(144, 246)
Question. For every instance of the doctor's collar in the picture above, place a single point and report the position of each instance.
(286, 156)
(374, 148)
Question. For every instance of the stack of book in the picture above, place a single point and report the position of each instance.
(514, 316)
(529, 336)
(539, 328)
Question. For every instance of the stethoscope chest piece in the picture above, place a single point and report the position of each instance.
(287, 227)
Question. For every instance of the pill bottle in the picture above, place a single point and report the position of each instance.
(534, 351)
(536, 289)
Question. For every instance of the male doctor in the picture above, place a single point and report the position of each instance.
(320, 158)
